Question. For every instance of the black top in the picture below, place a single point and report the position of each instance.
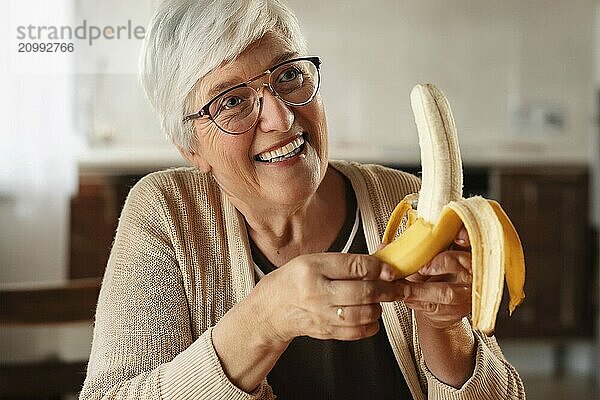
(333, 369)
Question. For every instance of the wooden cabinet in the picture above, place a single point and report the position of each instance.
(95, 211)
(549, 207)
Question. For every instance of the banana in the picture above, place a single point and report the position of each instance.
(496, 251)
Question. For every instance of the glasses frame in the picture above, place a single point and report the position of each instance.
(205, 110)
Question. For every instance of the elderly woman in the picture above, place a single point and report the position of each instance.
(248, 275)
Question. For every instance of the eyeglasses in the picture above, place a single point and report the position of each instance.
(236, 110)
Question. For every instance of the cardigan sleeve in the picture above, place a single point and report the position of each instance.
(142, 345)
(494, 378)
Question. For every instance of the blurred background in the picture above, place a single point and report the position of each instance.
(523, 78)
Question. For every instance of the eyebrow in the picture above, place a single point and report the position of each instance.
(224, 85)
(283, 57)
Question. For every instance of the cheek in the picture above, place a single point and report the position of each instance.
(316, 123)
(232, 152)
(219, 146)
(229, 157)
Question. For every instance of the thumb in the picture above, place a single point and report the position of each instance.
(355, 266)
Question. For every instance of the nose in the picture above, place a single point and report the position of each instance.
(275, 115)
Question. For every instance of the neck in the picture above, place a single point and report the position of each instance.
(282, 233)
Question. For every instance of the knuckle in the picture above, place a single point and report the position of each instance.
(431, 267)
(465, 260)
(434, 265)
(447, 295)
(303, 272)
(358, 267)
(330, 289)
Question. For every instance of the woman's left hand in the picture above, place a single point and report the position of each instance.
(442, 295)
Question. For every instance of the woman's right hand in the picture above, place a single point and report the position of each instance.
(302, 298)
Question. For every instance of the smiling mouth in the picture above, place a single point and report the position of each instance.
(283, 153)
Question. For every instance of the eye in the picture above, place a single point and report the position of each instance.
(231, 102)
(289, 75)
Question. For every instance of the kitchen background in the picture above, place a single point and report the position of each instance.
(523, 78)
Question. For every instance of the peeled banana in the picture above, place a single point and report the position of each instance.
(496, 251)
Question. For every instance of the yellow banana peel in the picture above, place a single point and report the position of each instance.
(496, 251)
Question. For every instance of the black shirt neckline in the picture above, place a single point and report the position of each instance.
(266, 266)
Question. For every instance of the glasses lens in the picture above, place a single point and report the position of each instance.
(236, 111)
(296, 82)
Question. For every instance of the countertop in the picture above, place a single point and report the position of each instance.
(124, 160)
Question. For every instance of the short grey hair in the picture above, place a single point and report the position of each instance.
(187, 39)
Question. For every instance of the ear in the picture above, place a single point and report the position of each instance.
(195, 158)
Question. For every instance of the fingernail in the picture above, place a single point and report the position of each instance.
(461, 242)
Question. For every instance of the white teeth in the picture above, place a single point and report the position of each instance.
(287, 151)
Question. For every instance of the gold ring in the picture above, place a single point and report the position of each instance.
(340, 313)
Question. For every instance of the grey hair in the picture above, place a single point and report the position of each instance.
(187, 39)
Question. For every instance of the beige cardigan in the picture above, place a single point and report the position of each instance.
(181, 259)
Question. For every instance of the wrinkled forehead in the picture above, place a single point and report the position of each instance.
(261, 55)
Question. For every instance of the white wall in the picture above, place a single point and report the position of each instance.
(492, 58)
(38, 171)
(595, 136)
(503, 64)
(114, 111)
(595, 146)
(38, 165)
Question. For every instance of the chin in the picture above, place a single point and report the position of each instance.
(299, 188)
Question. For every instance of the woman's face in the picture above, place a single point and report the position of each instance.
(236, 161)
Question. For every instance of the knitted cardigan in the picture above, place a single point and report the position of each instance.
(181, 260)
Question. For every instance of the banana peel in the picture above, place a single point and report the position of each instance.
(496, 251)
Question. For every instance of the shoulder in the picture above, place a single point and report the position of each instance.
(173, 183)
(173, 191)
(174, 178)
